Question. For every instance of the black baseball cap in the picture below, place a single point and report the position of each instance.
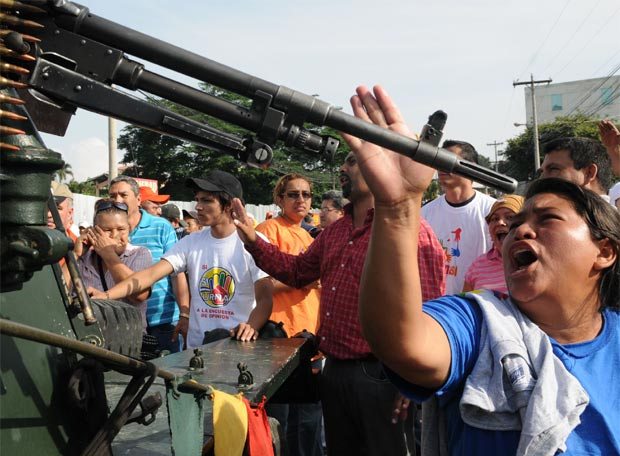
(190, 214)
(217, 181)
(171, 212)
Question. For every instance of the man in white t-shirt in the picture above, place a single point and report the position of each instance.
(228, 290)
(458, 219)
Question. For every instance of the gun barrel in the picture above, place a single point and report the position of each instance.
(296, 108)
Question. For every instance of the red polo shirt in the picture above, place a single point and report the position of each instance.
(337, 257)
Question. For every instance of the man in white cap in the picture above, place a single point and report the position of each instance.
(64, 203)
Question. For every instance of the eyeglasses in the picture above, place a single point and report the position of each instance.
(328, 209)
(296, 195)
(105, 205)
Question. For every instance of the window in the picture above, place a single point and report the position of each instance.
(556, 102)
(606, 96)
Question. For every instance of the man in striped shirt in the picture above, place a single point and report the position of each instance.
(157, 235)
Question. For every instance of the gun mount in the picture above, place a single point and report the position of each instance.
(57, 57)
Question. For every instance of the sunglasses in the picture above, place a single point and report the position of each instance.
(296, 195)
(105, 205)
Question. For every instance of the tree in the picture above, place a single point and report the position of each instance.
(84, 188)
(172, 161)
(519, 154)
(63, 173)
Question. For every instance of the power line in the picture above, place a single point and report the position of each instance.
(600, 29)
(545, 40)
(592, 91)
(572, 36)
(605, 64)
(613, 96)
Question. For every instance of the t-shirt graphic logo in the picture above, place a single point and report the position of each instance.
(217, 287)
(455, 251)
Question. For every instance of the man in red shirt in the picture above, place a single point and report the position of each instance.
(356, 396)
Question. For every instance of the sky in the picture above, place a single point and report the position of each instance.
(455, 55)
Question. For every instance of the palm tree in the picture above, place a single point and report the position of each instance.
(63, 172)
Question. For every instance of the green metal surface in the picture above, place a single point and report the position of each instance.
(271, 361)
(25, 179)
(33, 376)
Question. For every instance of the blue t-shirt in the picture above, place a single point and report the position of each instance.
(596, 364)
(157, 235)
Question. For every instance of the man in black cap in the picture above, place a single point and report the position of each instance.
(172, 213)
(228, 291)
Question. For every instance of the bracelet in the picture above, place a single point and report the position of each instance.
(184, 315)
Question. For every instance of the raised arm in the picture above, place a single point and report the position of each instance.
(296, 271)
(136, 283)
(610, 137)
(407, 340)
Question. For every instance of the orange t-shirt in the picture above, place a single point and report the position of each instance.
(298, 309)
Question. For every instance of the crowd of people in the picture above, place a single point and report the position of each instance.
(499, 315)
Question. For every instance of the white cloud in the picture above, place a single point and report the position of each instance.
(87, 157)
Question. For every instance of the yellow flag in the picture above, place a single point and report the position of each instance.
(230, 423)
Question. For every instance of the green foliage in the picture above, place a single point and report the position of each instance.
(84, 188)
(431, 192)
(519, 154)
(63, 173)
(171, 161)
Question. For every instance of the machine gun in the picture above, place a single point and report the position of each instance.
(80, 56)
(57, 57)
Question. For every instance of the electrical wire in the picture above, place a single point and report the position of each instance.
(592, 91)
(544, 40)
(600, 29)
(585, 19)
(605, 64)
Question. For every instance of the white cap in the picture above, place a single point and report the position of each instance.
(84, 224)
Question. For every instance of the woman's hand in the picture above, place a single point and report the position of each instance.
(103, 245)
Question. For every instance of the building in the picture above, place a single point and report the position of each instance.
(599, 97)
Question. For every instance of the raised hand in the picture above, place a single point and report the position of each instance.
(244, 224)
(610, 137)
(391, 177)
(101, 242)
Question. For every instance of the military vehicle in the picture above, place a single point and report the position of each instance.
(66, 359)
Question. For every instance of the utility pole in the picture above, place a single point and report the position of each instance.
(531, 83)
(495, 144)
(112, 166)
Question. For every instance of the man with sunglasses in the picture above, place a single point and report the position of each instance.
(458, 219)
(357, 398)
(107, 257)
(228, 291)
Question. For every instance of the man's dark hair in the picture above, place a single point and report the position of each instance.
(224, 198)
(584, 152)
(468, 152)
(603, 221)
(128, 180)
(336, 198)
